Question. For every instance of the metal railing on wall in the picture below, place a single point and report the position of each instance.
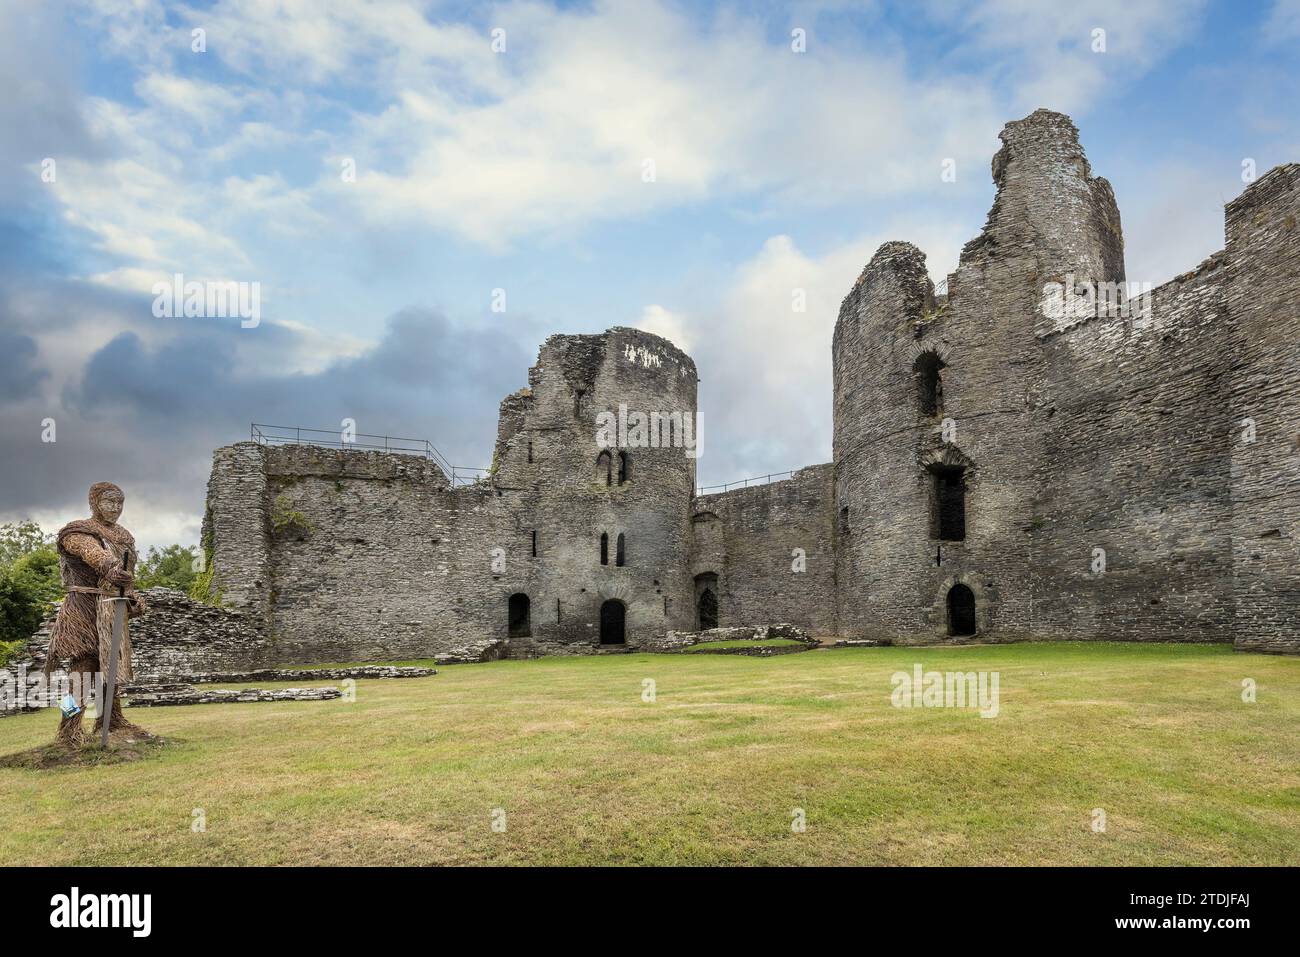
(744, 483)
(264, 434)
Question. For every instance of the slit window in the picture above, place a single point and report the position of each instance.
(604, 548)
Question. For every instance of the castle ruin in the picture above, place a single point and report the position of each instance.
(1032, 455)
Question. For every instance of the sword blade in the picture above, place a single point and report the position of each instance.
(106, 707)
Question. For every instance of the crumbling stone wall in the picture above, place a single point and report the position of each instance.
(348, 555)
(770, 550)
(1078, 473)
(181, 637)
(1263, 231)
(1135, 413)
(1106, 488)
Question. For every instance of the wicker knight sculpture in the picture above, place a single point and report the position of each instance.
(97, 556)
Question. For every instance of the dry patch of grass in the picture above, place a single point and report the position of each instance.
(581, 769)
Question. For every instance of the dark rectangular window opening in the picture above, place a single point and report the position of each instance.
(534, 543)
(949, 503)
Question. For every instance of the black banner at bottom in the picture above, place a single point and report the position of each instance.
(302, 905)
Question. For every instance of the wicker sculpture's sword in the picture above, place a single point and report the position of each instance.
(119, 630)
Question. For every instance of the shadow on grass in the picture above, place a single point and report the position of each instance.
(53, 756)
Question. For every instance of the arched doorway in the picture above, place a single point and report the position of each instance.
(961, 611)
(706, 600)
(708, 610)
(612, 614)
(519, 611)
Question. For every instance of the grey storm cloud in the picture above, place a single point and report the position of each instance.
(39, 115)
(147, 414)
(20, 369)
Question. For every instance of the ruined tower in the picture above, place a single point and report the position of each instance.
(1000, 470)
(1037, 451)
(576, 541)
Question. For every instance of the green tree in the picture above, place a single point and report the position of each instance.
(18, 539)
(29, 580)
(171, 567)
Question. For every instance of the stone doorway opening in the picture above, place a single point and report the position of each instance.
(706, 601)
(519, 616)
(612, 615)
(708, 610)
(961, 611)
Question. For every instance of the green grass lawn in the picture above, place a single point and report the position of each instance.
(743, 643)
(711, 772)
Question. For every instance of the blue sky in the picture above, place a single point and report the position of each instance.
(522, 169)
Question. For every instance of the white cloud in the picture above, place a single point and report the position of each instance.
(151, 526)
(1043, 53)
(671, 326)
(717, 108)
(1283, 23)
(765, 367)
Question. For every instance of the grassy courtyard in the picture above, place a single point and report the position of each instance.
(710, 772)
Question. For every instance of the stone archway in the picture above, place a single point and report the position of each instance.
(961, 611)
(707, 609)
(706, 600)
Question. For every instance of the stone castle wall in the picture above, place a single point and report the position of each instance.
(1137, 424)
(350, 555)
(179, 638)
(1263, 231)
(1106, 489)
(1105, 478)
(771, 550)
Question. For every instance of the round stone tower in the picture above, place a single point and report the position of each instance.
(943, 406)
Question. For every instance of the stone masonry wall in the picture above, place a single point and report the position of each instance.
(1076, 430)
(1136, 419)
(748, 538)
(180, 637)
(350, 555)
(1070, 432)
(1263, 231)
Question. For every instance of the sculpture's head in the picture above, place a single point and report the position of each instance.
(106, 501)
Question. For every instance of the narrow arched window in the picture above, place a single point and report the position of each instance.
(604, 468)
(604, 548)
(618, 550)
(928, 371)
(624, 467)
